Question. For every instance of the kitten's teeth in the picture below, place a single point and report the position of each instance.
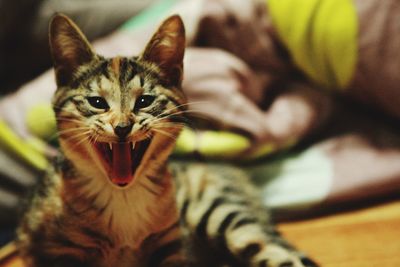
(110, 145)
(133, 145)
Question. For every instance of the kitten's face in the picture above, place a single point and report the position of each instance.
(120, 116)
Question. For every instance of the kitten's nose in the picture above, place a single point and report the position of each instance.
(123, 129)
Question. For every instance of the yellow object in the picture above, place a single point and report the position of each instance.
(41, 121)
(21, 148)
(214, 144)
(321, 36)
(222, 144)
(186, 141)
(263, 150)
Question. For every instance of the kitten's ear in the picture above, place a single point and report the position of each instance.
(166, 49)
(69, 48)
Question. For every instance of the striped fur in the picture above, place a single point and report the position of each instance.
(186, 214)
(224, 220)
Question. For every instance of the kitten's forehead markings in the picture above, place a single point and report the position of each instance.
(119, 67)
(93, 85)
(115, 66)
(141, 83)
(136, 83)
(136, 87)
(105, 86)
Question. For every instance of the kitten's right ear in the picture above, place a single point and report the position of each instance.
(166, 50)
(69, 48)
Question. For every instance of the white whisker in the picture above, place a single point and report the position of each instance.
(165, 133)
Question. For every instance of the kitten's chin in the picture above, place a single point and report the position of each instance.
(121, 160)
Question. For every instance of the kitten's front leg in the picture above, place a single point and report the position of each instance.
(222, 211)
(246, 238)
(259, 248)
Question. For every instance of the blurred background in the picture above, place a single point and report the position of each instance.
(24, 37)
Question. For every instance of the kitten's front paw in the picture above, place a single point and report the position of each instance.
(275, 256)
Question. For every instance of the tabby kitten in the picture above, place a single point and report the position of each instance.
(111, 200)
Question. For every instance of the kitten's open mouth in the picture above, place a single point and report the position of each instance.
(122, 159)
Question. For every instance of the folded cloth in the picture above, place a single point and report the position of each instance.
(254, 97)
(356, 158)
(344, 44)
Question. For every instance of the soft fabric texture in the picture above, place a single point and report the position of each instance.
(320, 36)
(260, 107)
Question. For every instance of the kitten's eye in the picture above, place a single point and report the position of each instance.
(144, 101)
(98, 102)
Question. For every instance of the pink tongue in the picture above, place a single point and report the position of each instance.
(121, 163)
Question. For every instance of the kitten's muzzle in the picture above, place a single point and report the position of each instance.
(122, 130)
(122, 159)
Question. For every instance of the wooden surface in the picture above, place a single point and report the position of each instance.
(360, 238)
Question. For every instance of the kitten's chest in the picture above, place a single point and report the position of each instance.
(130, 219)
(111, 247)
(118, 222)
(124, 257)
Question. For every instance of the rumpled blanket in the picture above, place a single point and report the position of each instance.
(305, 97)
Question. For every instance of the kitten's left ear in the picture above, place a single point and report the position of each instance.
(166, 49)
(69, 48)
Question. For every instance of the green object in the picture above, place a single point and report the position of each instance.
(150, 14)
(263, 150)
(186, 142)
(41, 121)
(213, 144)
(321, 36)
(222, 144)
(29, 151)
